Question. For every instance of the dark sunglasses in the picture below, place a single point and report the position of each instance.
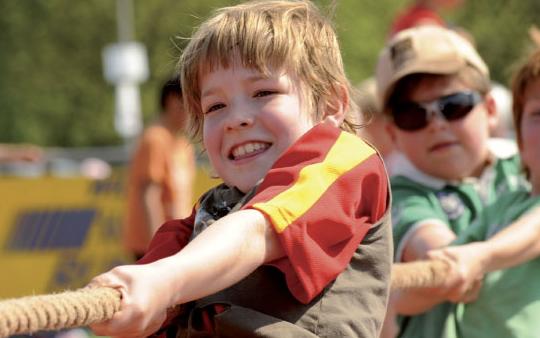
(411, 116)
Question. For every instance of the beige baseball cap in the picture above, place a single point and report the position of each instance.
(423, 49)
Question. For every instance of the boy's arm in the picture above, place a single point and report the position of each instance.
(153, 207)
(427, 237)
(415, 301)
(514, 245)
(220, 256)
(420, 225)
(148, 167)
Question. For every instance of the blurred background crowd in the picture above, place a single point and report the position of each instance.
(53, 91)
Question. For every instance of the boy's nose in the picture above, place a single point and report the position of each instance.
(239, 120)
(436, 118)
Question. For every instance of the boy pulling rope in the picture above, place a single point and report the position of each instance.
(89, 305)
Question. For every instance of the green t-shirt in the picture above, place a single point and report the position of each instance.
(419, 199)
(509, 301)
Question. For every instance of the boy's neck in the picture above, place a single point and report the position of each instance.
(404, 167)
(477, 173)
(168, 124)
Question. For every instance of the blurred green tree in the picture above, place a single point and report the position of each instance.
(52, 90)
(500, 30)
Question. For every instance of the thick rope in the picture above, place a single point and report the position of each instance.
(419, 274)
(85, 306)
(57, 311)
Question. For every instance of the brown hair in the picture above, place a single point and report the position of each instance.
(267, 35)
(365, 96)
(525, 74)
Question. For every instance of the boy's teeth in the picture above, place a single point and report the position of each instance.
(247, 148)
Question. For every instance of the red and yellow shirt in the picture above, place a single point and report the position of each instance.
(321, 196)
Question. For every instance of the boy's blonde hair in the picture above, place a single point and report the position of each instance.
(292, 36)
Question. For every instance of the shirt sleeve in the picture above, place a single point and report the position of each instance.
(492, 217)
(170, 238)
(412, 208)
(474, 233)
(321, 197)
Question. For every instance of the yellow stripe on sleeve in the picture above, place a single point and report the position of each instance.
(313, 180)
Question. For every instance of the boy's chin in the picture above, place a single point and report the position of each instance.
(246, 186)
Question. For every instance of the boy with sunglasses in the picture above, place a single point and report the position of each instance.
(434, 86)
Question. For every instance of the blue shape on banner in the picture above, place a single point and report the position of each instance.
(50, 229)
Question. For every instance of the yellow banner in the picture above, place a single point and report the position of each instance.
(58, 233)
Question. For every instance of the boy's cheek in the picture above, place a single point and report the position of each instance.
(408, 141)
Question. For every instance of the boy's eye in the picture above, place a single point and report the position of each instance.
(262, 93)
(214, 107)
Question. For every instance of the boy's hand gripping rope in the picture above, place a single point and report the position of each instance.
(57, 311)
(89, 305)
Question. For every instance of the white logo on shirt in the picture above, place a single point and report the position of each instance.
(451, 204)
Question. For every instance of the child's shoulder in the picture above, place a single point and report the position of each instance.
(407, 178)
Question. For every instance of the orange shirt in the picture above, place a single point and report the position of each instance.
(164, 159)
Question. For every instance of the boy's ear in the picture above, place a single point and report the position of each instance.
(391, 129)
(336, 108)
(491, 110)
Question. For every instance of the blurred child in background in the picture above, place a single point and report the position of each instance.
(161, 173)
(435, 88)
(375, 129)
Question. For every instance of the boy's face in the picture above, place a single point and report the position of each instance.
(530, 133)
(449, 150)
(249, 121)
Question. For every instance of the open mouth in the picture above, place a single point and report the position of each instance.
(248, 149)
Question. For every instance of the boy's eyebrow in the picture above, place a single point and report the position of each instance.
(257, 77)
(208, 92)
(251, 78)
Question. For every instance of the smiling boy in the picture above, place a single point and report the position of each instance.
(232, 99)
(296, 242)
(435, 88)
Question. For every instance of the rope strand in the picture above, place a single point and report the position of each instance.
(89, 305)
(419, 274)
(57, 311)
